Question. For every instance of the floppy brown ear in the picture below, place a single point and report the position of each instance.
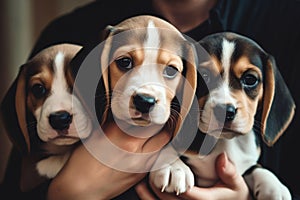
(110, 31)
(188, 89)
(278, 104)
(104, 60)
(13, 111)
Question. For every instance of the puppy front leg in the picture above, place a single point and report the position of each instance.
(265, 185)
(173, 176)
(49, 167)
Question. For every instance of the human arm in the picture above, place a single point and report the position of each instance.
(87, 176)
(84, 177)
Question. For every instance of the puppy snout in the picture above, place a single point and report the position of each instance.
(143, 103)
(60, 120)
(225, 112)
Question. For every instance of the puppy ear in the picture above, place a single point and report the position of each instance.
(188, 89)
(104, 60)
(13, 111)
(278, 104)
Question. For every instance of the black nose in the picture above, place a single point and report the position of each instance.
(143, 103)
(225, 112)
(60, 120)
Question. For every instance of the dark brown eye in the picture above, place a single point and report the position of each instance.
(38, 90)
(170, 72)
(124, 63)
(249, 81)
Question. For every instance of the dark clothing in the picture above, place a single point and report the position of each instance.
(274, 24)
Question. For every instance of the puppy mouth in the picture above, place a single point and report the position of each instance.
(219, 129)
(142, 121)
(224, 132)
(63, 140)
(59, 137)
(140, 118)
(64, 135)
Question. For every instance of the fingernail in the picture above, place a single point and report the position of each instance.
(224, 160)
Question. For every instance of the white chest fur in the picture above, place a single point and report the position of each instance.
(241, 150)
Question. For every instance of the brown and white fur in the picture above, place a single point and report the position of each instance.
(241, 94)
(48, 119)
(143, 71)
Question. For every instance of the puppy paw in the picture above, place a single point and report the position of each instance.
(280, 192)
(267, 186)
(49, 167)
(176, 177)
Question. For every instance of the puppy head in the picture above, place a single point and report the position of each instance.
(150, 65)
(43, 103)
(245, 88)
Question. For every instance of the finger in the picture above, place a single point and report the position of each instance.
(143, 192)
(231, 186)
(227, 172)
(197, 193)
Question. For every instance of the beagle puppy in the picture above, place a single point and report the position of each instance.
(43, 117)
(144, 71)
(146, 66)
(241, 95)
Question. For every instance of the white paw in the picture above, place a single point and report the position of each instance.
(280, 192)
(267, 186)
(176, 177)
(49, 167)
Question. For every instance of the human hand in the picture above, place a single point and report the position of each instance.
(231, 186)
(86, 177)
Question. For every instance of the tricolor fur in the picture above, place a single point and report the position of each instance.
(146, 74)
(240, 96)
(50, 117)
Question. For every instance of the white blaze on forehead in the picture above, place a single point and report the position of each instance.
(151, 50)
(151, 44)
(227, 51)
(59, 85)
(152, 38)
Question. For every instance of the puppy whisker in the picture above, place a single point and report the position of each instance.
(257, 125)
(174, 115)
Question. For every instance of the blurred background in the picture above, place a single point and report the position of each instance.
(21, 22)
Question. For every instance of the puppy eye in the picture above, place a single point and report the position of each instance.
(124, 63)
(170, 72)
(250, 80)
(205, 75)
(38, 90)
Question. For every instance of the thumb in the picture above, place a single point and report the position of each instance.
(227, 171)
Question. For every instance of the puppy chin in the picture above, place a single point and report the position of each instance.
(158, 116)
(64, 140)
(58, 138)
(220, 132)
(141, 122)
